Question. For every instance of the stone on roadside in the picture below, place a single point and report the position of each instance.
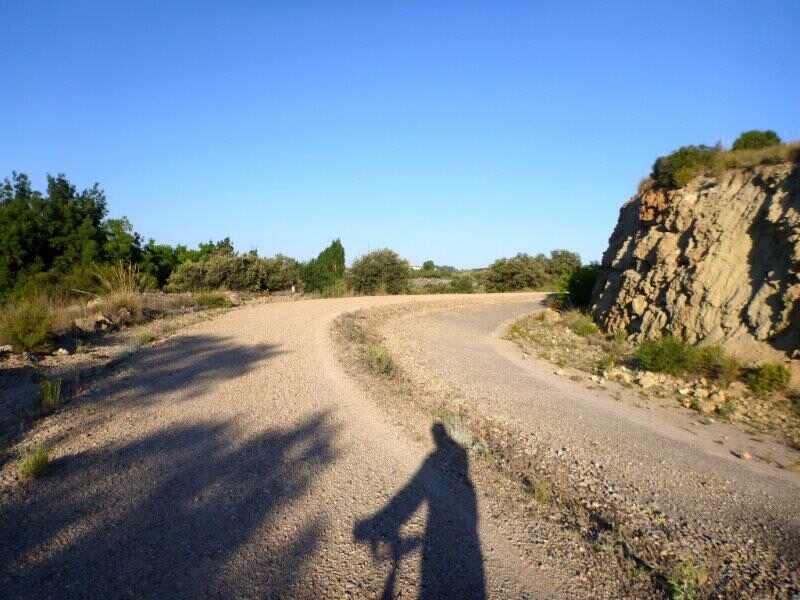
(62, 352)
(647, 380)
(6, 349)
(550, 316)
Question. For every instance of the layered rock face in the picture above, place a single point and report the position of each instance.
(716, 261)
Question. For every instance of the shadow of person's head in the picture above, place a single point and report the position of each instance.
(440, 436)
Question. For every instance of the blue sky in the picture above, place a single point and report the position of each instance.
(456, 131)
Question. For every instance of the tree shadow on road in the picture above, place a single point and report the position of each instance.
(452, 562)
(186, 512)
(182, 368)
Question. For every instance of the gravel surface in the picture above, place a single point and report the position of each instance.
(643, 466)
(239, 459)
(236, 459)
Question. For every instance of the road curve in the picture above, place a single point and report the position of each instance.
(236, 459)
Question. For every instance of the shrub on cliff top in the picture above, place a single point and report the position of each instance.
(679, 168)
(756, 139)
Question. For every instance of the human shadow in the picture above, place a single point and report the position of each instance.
(185, 512)
(451, 557)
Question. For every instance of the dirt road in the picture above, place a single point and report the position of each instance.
(238, 460)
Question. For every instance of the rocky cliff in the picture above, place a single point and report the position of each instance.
(717, 260)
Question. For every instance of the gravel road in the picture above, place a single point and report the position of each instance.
(237, 460)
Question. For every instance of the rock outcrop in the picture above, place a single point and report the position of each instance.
(716, 261)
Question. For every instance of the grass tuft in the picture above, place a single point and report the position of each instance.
(685, 582)
(34, 464)
(50, 398)
(380, 361)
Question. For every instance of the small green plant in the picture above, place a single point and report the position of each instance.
(726, 410)
(50, 397)
(542, 492)
(581, 324)
(26, 324)
(766, 378)
(666, 355)
(686, 581)
(146, 337)
(380, 361)
(34, 464)
(212, 300)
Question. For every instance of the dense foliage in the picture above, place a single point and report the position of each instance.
(60, 243)
(380, 271)
(324, 273)
(679, 168)
(580, 285)
(750, 149)
(525, 272)
(756, 139)
(247, 272)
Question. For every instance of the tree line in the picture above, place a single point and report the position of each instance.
(60, 243)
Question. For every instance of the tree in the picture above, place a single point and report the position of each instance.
(428, 265)
(122, 243)
(581, 285)
(322, 273)
(563, 263)
(756, 139)
(381, 270)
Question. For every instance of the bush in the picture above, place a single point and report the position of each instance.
(581, 284)
(380, 271)
(325, 273)
(667, 355)
(715, 364)
(580, 323)
(25, 324)
(679, 168)
(50, 397)
(212, 300)
(248, 272)
(756, 139)
(522, 272)
(34, 464)
(462, 284)
(380, 361)
(769, 377)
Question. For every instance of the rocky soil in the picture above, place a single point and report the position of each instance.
(715, 261)
(608, 359)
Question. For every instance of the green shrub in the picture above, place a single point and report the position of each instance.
(580, 324)
(247, 272)
(769, 377)
(325, 272)
(462, 284)
(50, 394)
(679, 168)
(521, 272)
(380, 271)
(380, 361)
(25, 324)
(756, 139)
(581, 284)
(34, 464)
(714, 363)
(685, 582)
(667, 355)
(212, 300)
